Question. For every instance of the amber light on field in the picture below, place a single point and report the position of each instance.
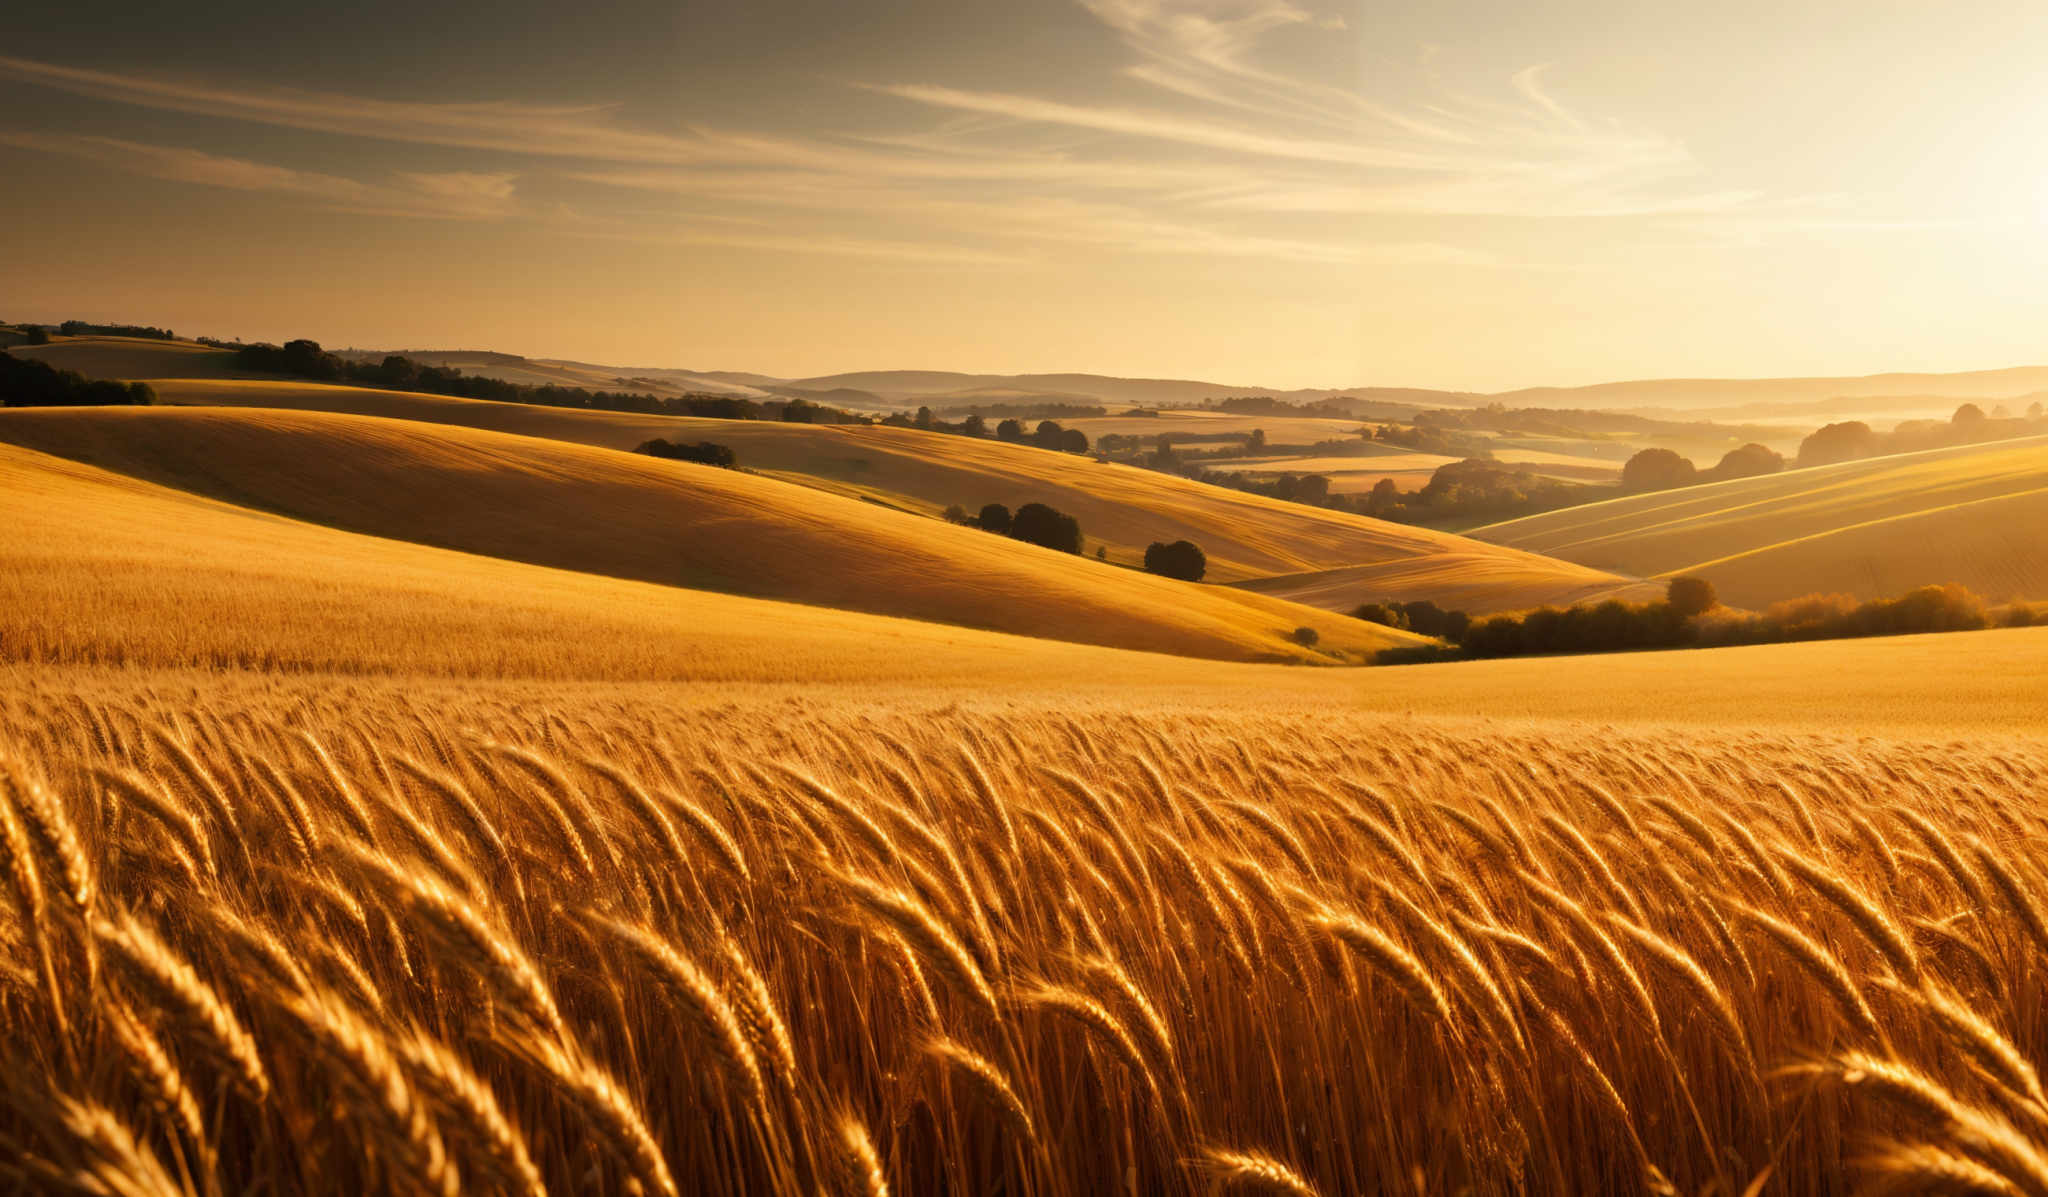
(530, 941)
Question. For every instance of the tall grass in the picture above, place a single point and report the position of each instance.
(270, 940)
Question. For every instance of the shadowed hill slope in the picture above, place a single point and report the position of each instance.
(628, 516)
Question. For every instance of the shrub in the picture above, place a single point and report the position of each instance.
(956, 514)
(995, 518)
(38, 335)
(703, 453)
(1389, 614)
(1689, 597)
(1182, 559)
(1306, 637)
(1750, 461)
(1035, 523)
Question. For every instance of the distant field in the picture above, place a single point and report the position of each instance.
(129, 358)
(1971, 514)
(623, 515)
(1126, 508)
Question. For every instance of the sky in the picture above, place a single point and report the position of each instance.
(1466, 194)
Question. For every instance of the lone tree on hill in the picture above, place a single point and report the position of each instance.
(1182, 559)
(1846, 441)
(1657, 469)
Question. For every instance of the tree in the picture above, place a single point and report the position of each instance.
(1969, 415)
(2034, 410)
(956, 514)
(1847, 441)
(1749, 461)
(1656, 469)
(1388, 614)
(924, 418)
(38, 335)
(1047, 434)
(994, 518)
(1313, 488)
(1385, 493)
(1306, 637)
(1010, 432)
(1182, 559)
(799, 411)
(1256, 442)
(974, 426)
(1073, 440)
(1036, 523)
(1690, 597)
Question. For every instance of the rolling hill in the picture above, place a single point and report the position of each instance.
(1971, 514)
(177, 590)
(1121, 507)
(628, 516)
(129, 358)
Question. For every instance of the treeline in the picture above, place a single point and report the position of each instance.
(25, 382)
(79, 328)
(1048, 435)
(1853, 440)
(305, 359)
(1688, 616)
(1028, 411)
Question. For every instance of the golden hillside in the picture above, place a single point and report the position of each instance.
(627, 516)
(1971, 514)
(1244, 535)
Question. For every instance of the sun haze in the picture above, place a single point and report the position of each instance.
(1283, 192)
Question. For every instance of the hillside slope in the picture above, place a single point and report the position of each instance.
(624, 515)
(1120, 507)
(98, 568)
(1972, 514)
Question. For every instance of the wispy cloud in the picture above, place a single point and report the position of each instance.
(1218, 145)
(448, 194)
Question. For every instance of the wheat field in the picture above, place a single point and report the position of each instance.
(352, 936)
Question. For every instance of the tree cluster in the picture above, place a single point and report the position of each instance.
(1690, 616)
(1033, 523)
(25, 382)
(703, 452)
(1852, 440)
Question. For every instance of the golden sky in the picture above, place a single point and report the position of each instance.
(1470, 194)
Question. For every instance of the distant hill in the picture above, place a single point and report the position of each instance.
(1694, 393)
(1874, 528)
